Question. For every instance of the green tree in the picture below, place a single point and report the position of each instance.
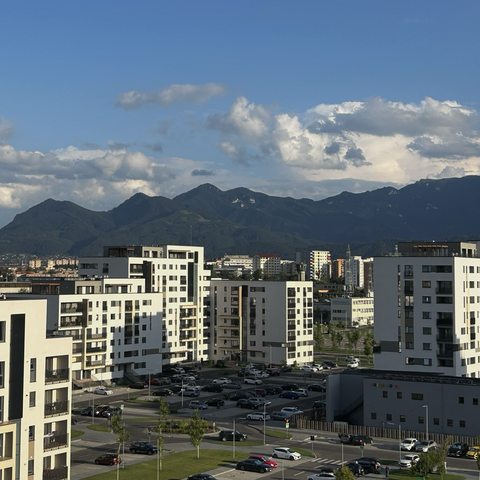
(344, 474)
(118, 428)
(368, 344)
(427, 463)
(355, 338)
(349, 341)
(318, 336)
(442, 455)
(163, 412)
(196, 430)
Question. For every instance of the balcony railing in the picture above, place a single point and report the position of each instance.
(56, 408)
(187, 337)
(59, 473)
(101, 349)
(95, 363)
(291, 326)
(53, 441)
(447, 290)
(71, 323)
(96, 336)
(57, 376)
(184, 324)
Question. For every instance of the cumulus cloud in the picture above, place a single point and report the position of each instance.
(203, 173)
(449, 172)
(6, 129)
(167, 96)
(450, 148)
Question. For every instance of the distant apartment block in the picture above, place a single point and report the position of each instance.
(269, 264)
(352, 311)
(318, 267)
(338, 269)
(262, 321)
(35, 392)
(427, 315)
(177, 275)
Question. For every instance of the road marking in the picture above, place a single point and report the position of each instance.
(317, 459)
(299, 473)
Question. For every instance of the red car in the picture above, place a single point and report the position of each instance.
(261, 392)
(264, 459)
(273, 372)
(107, 459)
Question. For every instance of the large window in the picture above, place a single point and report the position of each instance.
(2, 374)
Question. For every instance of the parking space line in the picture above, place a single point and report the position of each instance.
(299, 473)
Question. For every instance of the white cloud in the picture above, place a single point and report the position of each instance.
(6, 129)
(167, 96)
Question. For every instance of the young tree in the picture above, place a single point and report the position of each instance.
(118, 428)
(344, 474)
(349, 341)
(355, 338)
(163, 412)
(196, 430)
(442, 455)
(368, 344)
(318, 336)
(424, 467)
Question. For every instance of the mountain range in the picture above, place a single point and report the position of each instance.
(247, 222)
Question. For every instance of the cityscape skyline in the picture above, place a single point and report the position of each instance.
(101, 101)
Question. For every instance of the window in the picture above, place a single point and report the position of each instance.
(409, 346)
(373, 416)
(427, 299)
(252, 343)
(2, 331)
(399, 394)
(385, 394)
(427, 346)
(421, 420)
(426, 284)
(33, 369)
(461, 399)
(475, 401)
(402, 418)
(1, 409)
(2, 374)
(427, 330)
(462, 423)
(417, 396)
(31, 433)
(426, 315)
(449, 422)
(30, 469)
(32, 399)
(436, 421)
(426, 268)
(389, 417)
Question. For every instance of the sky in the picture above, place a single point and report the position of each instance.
(103, 100)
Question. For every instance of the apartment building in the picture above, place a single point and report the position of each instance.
(338, 269)
(427, 308)
(352, 311)
(115, 326)
(35, 394)
(177, 275)
(319, 264)
(262, 321)
(269, 264)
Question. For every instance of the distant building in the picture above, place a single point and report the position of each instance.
(368, 276)
(352, 311)
(338, 269)
(262, 321)
(269, 264)
(318, 267)
(35, 393)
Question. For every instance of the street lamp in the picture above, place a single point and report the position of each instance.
(234, 432)
(399, 440)
(264, 405)
(426, 420)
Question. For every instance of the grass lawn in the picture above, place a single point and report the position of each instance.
(303, 452)
(76, 433)
(278, 434)
(99, 428)
(175, 466)
(405, 474)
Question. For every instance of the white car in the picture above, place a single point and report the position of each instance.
(352, 365)
(285, 452)
(408, 444)
(198, 405)
(409, 460)
(308, 368)
(221, 380)
(321, 475)
(253, 371)
(301, 392)
(425, 445)
(291, 411)
(103, 391)
(188, 378)
(252, 381)
(258, 416)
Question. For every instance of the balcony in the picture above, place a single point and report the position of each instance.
(189, 313)
(56, 408)
(187, 336)
(444, 338)
(189, 324)
(69, 323)
(444, 353)
(446, 290)
(93, 350)
(57, 376)
(53, 441)
(94, 363)
(97, 336)
(59, 473)
(291, 326)
(291, 338)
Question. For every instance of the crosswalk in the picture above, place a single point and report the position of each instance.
(322, 462)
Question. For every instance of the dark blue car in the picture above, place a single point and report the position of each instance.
(287, 394)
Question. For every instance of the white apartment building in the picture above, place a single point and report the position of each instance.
(269, 264)
(115, 326)
(262, 321)
(177, 275)
(35, 394)
(244, 261)
(318, 267)
(352, 311)
(427, 309)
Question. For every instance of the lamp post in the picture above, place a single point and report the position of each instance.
(270, 347)
(264, 405)
(182, 393)
(399, 440)
(426, 421)
(234, 432)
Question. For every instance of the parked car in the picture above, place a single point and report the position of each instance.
(261, 392)
(286, 368)
(473, 452)
(198, 405)
(273, 390)
(361, 439)
(301, 392)
(236, 396)
(409, 460)
(233, 385)
(279, 416)
(99, 409)
(87, 411)
(457, 449)
(329, 364)
(102, 391)
(156, 382)
(353, 365)
(253, 465)
(288, 394)
(273, 372)
(143, 447)
(291, 411)
(408, 444)
(285, 452)
(111, 411)
(201, 476)
(308, 368)
(164, 392)
(351, 358)
(425, 445)
(215, 402)
(107, 459)
(319, 404)
(221, 380)
(264, 459)
(317, 387)
(189, 392)
(321, 476)
(344, 437)
(247, 403)
(355, 468)
(225, 435)
(213, 387)
(252, 381)
(370, 464)
(290, 387)
(258, 416)
(138, 385)
(176, 388)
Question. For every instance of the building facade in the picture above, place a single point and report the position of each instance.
(261, 321)
(427, 308)
(352, 311)
(269, 264)
(35, 392)
(319, 264)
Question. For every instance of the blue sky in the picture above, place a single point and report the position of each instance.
(101, 100)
